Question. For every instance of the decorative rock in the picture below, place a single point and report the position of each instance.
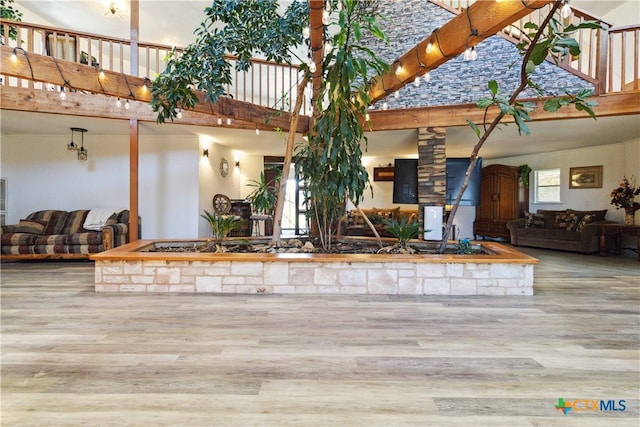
(308, 247)
(295, 242)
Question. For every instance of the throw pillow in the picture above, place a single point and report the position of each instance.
(587, 219)
(566, 221)
(31, 226)
(533, 220)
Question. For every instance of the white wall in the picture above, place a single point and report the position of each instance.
(617, 160)
(168, 186)
(42, 174)
(212, 182)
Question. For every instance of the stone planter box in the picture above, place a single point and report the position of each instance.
(502, 271)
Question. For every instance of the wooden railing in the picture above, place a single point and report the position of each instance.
(623, 64)
(266, 83)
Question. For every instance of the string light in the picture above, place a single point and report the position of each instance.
(179, 115)
(119, 103)
(63, 94)
(127, 105)
(399, 69)
(385, 106)
(427, 77)
(328, 46)
(228, 121)
(257, 130)
(219, 120)
(566, 11)
(416, 82)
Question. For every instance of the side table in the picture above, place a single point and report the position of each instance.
(617, 231)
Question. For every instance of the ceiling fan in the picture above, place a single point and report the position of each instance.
(114, 9)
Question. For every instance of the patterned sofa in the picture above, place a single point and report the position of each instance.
(353, 224)
(55, 234)
(567, 230)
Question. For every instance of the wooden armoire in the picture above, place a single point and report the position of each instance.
(501, 200)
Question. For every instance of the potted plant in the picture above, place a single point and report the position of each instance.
(263, 199)
(221, 226)
(623, 198)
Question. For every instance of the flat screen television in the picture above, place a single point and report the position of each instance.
(456, 170)
(405, 181)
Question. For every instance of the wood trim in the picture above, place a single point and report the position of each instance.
(134, 153)
(85, 78)
(613, 104)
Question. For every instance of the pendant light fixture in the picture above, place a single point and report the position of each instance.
(72, 146)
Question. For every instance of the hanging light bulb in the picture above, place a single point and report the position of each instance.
(101, 75)
(328, 46)
(306, 32)
(72, 146)
(312, 66)
(416, 82)
(326, 18)
(474, 54)
(228, 121)
(385, 106)
(126, 105)
(367, 117)
(427, 77)
(179, 115)
(396, 94)
(119, 103)
(467, 54)
(566, 11)
(83, 154)
(257, 130)
(399, 69)
(219, 120)
(14, 57)
(429, 47)
(63, 94)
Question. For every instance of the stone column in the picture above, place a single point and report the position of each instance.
(432, 179)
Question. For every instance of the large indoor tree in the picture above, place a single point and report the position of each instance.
(331, 162)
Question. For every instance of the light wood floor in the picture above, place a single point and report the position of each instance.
(71, 357)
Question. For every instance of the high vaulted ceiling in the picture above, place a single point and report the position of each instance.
(173, 22)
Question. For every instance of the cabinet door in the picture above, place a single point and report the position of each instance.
(507, 188)
(485, 209)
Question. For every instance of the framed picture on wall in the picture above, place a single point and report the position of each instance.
(585, 177)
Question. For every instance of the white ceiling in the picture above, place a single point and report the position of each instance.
(172, 22)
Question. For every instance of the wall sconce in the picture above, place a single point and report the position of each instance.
(205, 153)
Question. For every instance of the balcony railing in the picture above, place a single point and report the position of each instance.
(267, 84)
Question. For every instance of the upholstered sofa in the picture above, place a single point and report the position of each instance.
(568, 230)
(56, 234)
(353, 224)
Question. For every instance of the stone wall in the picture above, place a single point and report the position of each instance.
(288, 277)
(407, 22)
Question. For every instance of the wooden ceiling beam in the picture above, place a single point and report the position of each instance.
(614, 104)
(86, 78)
(485, 17)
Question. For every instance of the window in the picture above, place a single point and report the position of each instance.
(546, 186)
